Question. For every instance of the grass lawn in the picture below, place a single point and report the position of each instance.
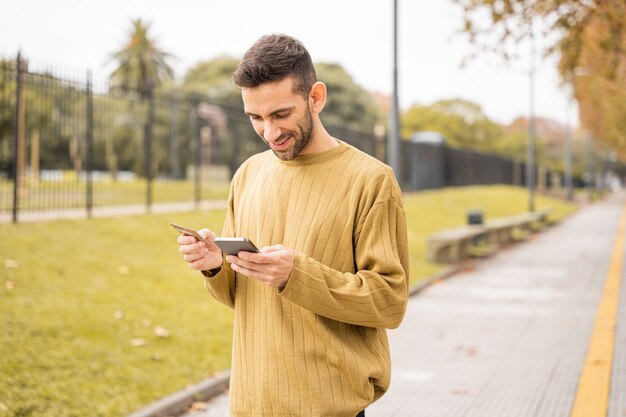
(76, 295)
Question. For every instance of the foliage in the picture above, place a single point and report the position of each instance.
(141, 65)
(214, 79)
(590, 42)
(600, 87)
(348, 104)
(47, 99)
(462, 123)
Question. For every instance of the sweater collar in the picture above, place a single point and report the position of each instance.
(315, 158)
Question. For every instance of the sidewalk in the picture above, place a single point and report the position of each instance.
(26, 216)
(510, 337)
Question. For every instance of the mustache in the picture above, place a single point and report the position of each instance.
(282, 136)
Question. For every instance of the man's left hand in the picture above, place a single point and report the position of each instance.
(272, 265)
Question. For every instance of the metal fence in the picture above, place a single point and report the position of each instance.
(70, 144)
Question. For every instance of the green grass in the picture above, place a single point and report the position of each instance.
(65, 350)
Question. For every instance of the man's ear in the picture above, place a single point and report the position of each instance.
(317, 97)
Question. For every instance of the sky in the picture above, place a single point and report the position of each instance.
(80, 35)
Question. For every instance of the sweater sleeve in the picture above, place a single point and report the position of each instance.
(376, 294)
(222, 284)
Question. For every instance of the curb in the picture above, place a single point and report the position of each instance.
(441, 275)
(176, 404)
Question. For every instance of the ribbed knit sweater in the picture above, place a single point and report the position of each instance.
(317, 347)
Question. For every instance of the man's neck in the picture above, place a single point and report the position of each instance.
(321, 141)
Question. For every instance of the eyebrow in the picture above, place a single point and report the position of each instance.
(282, 109)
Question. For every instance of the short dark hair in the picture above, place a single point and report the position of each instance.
(273, 58)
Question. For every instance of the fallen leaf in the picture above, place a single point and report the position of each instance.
(161, 331)
(10, 264)
(471, 351)
(119, 314)
(9, 284)
(198, 406)
(138, 342)
(465, 391)
(123, 270)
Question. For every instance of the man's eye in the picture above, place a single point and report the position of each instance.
(282, 115)
(255, 118)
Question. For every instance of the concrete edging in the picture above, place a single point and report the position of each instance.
(425, 283)
(175, 404)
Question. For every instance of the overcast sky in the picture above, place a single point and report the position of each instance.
(80, 35)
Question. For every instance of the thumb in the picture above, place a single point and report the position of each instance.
(209, 236)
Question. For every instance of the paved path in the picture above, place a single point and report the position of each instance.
(510, 337)
(26, 216)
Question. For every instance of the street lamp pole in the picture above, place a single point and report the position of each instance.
(394, 134)
(530, 148)
(569, 186)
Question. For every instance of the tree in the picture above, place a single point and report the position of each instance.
(141, 65)
(348, 105)
(590, 42)
(214, 79)
(462, 123)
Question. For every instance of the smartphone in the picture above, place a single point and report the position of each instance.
(233, 245)
(187, 231)
(228, 245)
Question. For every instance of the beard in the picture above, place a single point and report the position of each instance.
(300, 137)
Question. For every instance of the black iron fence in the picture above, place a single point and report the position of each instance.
(69, 143)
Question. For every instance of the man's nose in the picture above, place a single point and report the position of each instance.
(270, 131)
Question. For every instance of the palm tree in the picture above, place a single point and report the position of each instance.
(141, 68)
(141, 65)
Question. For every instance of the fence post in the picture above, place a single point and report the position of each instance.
(198, 154)
(19, 148)
(89, 167)
(148, 151)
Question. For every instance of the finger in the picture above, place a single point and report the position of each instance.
(209, 236)
(186, 240)
(199, 246)
(254, 266)
(258, 258)
(270, 249)
(250, 273)
(194, 256)
(196, 265)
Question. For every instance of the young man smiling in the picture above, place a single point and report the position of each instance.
(312, 307)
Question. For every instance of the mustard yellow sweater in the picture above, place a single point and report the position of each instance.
(319, 346)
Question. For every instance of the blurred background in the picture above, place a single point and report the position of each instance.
(141, 93)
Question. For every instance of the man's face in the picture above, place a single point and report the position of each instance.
(281, 117)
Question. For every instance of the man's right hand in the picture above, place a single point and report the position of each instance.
(199, 255)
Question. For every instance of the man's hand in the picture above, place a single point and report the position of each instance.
(272, 265)
(199, 255)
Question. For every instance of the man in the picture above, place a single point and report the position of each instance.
(312, 307)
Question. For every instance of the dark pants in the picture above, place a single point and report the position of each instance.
(361, 414)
